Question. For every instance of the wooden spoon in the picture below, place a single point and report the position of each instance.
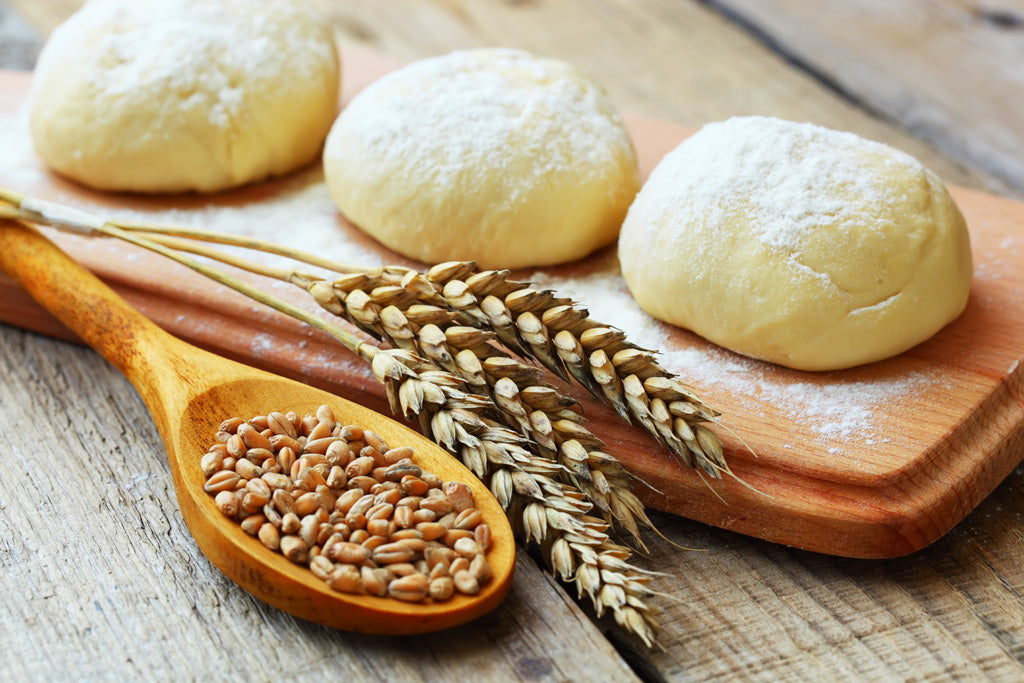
(189, 392)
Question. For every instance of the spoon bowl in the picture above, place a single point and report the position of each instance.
(189, 392)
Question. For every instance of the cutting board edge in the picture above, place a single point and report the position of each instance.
(873, 522)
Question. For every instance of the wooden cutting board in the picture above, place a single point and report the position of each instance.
(876, 461)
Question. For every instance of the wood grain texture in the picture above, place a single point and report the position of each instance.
(113, 587)
(949, 71)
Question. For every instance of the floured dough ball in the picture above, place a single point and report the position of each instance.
(796, 244)
(178, 95)
(491, 155)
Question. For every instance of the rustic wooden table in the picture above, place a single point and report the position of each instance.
(102, 580)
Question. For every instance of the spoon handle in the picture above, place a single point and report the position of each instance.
(81, 301)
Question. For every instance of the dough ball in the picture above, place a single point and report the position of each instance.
(491, 155)
(796, 244)
(178, 95)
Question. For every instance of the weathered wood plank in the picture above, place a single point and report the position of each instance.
(102, 577)
(752, 610)
(948, 71)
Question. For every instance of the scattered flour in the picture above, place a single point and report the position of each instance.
(783, 178)
(833, 414)
(836, 412)
(302, 215)
(17, 160)
(605, 295)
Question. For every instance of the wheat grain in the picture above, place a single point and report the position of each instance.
(337, 531)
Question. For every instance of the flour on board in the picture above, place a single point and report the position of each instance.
(832, 414)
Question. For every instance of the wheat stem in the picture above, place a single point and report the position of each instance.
(200, 249)
(245, 242)
(349, 340)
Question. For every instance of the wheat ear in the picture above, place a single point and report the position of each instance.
(398, 305)
(553, 330)
(542, 510)
(527, 405)
(560, 334)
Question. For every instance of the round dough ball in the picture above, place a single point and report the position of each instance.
(796, 244)
(178, 95)
(490, 155)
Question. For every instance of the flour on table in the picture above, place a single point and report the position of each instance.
(604, 294)
(833, 414)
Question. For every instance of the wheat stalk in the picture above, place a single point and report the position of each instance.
(400, 306)
(553, 330)
(526, 404)
(538, 324)
(560, 335)
(542, 510)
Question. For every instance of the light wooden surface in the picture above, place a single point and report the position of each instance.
(102, 579)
